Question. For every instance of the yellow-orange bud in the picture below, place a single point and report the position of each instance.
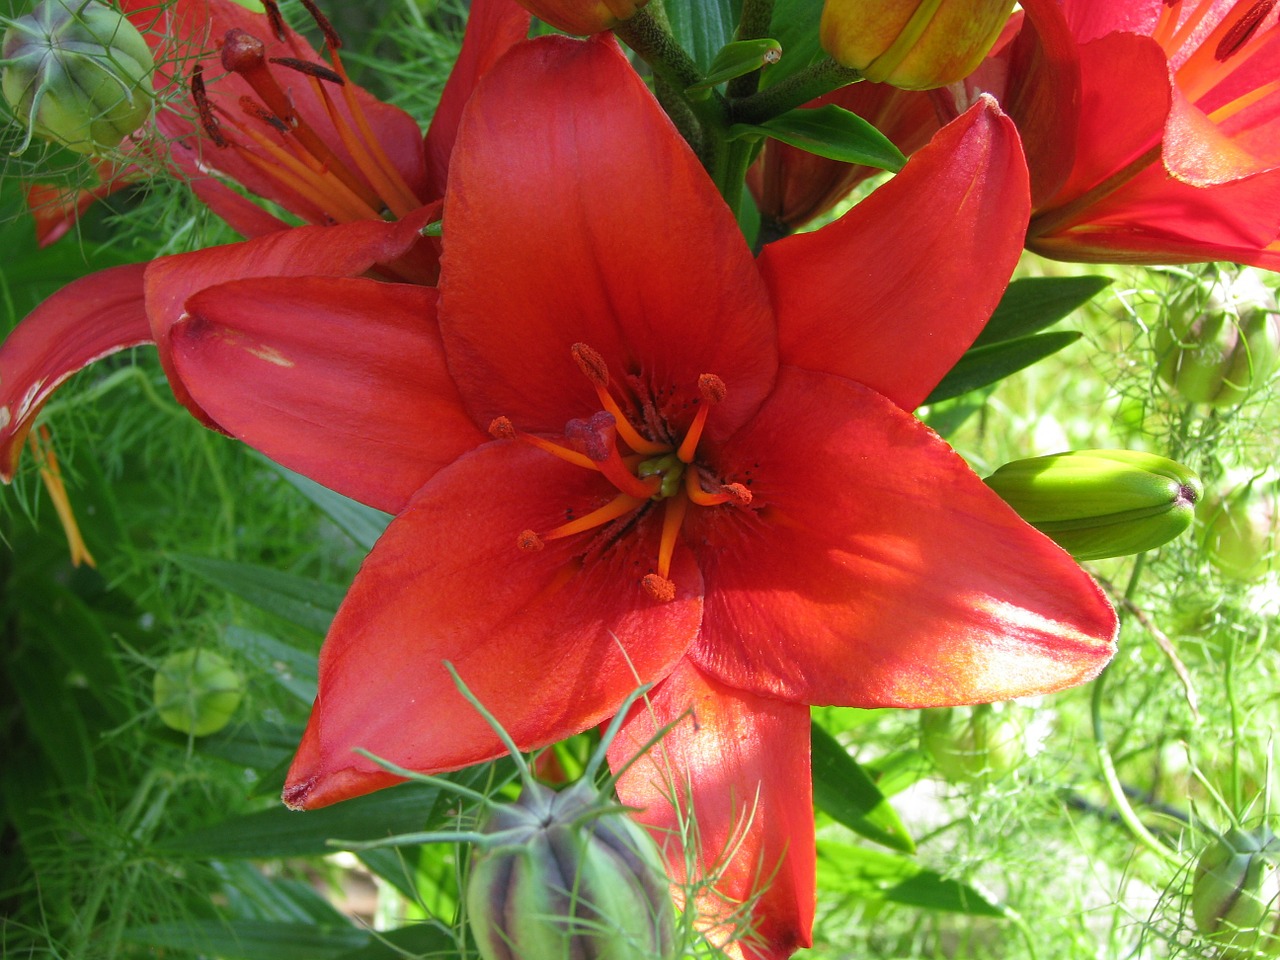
(913, 44)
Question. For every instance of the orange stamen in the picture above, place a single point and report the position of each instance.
(502, 429)
(593, 367)
(619, 506)
(51, 474)
(713, 391)
(672, 518)
(734, 493)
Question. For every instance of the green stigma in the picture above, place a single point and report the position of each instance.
(669, 467)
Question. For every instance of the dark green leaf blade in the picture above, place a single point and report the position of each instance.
(1033, 303)
(832, 132)
(844, 791)
(892, 878)
(981, 366)
(703, 27)
(252, 939)
(310, 604)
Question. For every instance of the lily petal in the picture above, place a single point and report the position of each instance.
(894, 292)
(523, 282)
(347, 377)
(85, 321)
(734, 769)
(493, 28)
(875, 569)
(550, 640)
(345, 250)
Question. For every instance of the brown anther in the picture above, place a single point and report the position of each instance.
(273, 15)
(591, 364)
(201, 99)
(242, 51)
(660, 588)
(331, 38)
(500, 428)
(738, 494)
(711, 388)
(529, 541)
(1242, 30)
(256, 110)
(311, 69)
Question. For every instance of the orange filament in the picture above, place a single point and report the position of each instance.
(51, 474)
(596, 370)
(619, 506)
(672, 519)
(502, 429)
(734, 493)
(713, 390)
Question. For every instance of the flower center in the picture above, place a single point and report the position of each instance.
(275, 138)
(650, 472)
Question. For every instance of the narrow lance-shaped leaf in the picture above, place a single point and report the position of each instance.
(1033, 303)
(736, 60)
(308, 603)
(844, 791)
(981, 366)
(832, 132)
(890, 877)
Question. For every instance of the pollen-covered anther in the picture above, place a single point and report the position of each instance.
(256, 110)
(660, 588)
(200, 97)
(529, 541)
(501, 428)
(317, 70)
(591, 364)
(738, 494)
(711, 388)
(1242, 30)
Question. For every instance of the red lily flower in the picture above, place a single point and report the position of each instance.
(651, 458)
(125, 307)
(1152, 129)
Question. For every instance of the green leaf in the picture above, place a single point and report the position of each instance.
(424, 939)
(364, 525)
(832, 132)
(286, 833)
(844, 791)
(795, 26)
(894, 772)
(737, 59)
(252, 939)
(981, 366)
(1033, 303)
(310, 604)
(893, 878)
(703, 27)
(296, 671)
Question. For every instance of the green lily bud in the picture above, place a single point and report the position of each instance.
(981, 743)
(77, 73)
(1101, 503)
(1235, 896)
(566, 876)
(1223, 352)
(913, 44)
(196, 692)
(1241, 530)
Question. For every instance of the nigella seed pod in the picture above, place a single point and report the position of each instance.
(77, 72)
(566, 876)
(1101, 503)
(1242, 530)
(197, 692)
(913, 44)
(1224, 351)
(1235, 896)
(974, 744)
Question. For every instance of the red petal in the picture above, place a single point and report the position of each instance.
(576, 213)
(875, 569)
(736, 766)
(1090, 19)
(341, 251)
(493, 27)
(894, 292)
(85, 321)
(551, 642)
(346, 378)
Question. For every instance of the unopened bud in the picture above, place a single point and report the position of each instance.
(974, 744)
(913, 44)
(1224, 348)
(568, 876)
(1101, 503)
(77, 72)
(1242, 529)
(583, 16)
(197, 692)
(1235, 896)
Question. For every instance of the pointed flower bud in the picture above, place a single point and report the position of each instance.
(913, 44)
(1101, 503)
(1221, 348)
(77, 72)
(197, 692)
(568, 876)
(1235, 896)
(1242, 530)
(974, 744)
(583, 16)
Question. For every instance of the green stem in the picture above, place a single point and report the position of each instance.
(795, 91)
(755, 24)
